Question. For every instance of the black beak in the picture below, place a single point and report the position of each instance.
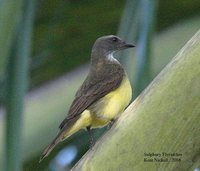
(129, 45)
(125, 45)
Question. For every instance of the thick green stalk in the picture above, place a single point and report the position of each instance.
(17, 79)
(127, 28)
(10, 14)
(128, 16)
(144, 43)
(164, 119)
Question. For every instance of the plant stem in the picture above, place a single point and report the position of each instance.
(147, 20)
(17, 81)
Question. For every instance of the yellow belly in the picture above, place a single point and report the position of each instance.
(105, 109)
(113, 104)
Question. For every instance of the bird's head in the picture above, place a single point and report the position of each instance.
(110, 44)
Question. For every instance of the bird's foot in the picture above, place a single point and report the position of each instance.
(112, 121)
(91, 137)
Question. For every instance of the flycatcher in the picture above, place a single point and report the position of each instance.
(104, 94)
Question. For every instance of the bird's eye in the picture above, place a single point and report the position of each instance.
(114, 39)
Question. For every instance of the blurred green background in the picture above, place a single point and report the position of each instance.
(58, 36)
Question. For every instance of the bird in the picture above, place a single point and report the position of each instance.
(104, 94)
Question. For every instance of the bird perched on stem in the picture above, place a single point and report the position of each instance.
(104, 94)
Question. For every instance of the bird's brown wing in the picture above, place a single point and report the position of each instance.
(92, 90)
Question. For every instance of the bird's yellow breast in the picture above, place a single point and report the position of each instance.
(105, 109)
(113, 104)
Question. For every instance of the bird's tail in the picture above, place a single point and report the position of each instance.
(51, 146)
(64, 133)
(67, 130)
